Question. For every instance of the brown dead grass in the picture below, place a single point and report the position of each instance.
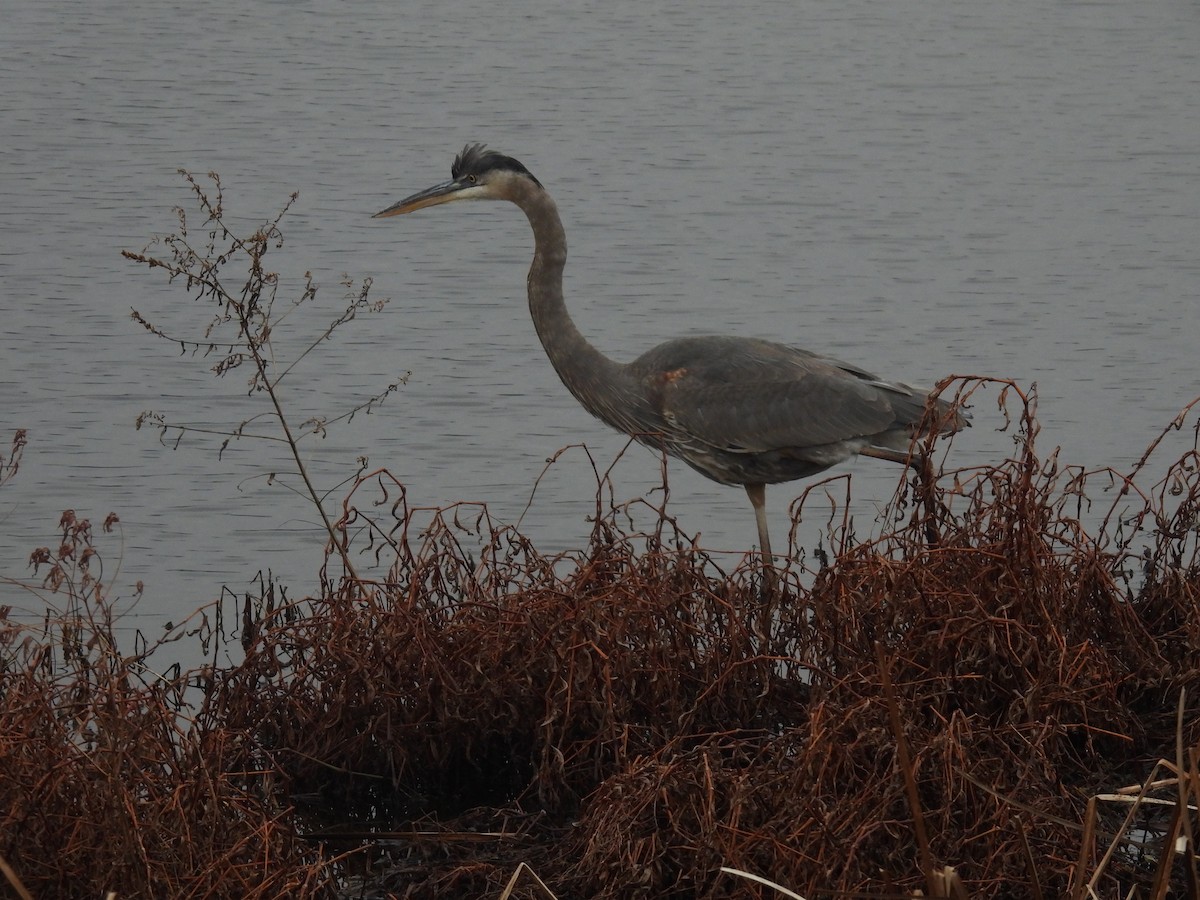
(108, 785)
(955, 692)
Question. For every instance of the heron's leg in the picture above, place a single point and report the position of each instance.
(758, 499)
(758, 496)
(895, 456)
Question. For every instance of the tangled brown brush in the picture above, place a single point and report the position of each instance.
(1030, 668)
(106, 783)
(968, 690)
(1008, 672)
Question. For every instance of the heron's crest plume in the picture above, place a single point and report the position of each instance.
(476, 159)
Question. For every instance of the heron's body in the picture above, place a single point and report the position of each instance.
(739, 410)
(788, 413)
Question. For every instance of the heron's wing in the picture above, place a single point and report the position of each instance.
(756, 396)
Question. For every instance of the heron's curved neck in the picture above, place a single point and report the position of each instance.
(592, 377)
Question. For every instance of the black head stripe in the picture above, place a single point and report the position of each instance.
(476, 159)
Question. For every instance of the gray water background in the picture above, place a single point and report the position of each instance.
(922, 187)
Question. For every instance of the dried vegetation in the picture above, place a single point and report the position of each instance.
(971, 690)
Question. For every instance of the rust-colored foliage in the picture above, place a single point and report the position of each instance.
(502, 679)
(955, 692)
(105, 784)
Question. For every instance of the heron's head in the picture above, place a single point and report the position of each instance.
(477, 174)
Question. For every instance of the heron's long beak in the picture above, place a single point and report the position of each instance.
(439, 193)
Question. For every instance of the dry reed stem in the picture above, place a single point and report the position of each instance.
(14, 881)
(521, 869)
(750, 876)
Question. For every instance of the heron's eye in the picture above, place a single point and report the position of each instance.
(472, 179)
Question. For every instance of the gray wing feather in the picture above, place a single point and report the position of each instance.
(756, 396)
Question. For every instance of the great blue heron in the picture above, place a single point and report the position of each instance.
(739, 410)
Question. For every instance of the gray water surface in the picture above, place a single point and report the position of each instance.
(922, 187)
